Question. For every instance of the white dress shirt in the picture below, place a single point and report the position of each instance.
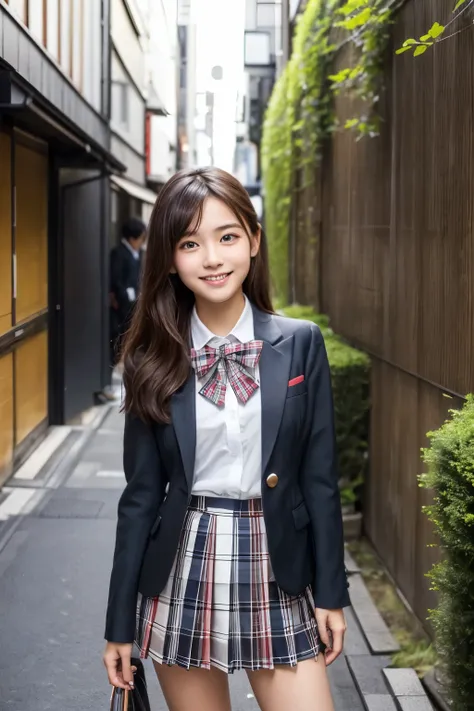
(134, 252)
(136, 255)
(228, 459)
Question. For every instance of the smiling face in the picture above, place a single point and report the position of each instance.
(214, 261)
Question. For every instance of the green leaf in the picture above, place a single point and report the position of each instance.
(351, 123)
(458, 4)
(425, 38)
(358, 20)
(403, 49)
(351, 6)
(436, 30)
(420, 50)
(340, 76)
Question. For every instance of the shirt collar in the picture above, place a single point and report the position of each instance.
(129, 247)
(243, 330)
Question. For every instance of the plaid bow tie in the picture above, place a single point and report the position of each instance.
(229, 362)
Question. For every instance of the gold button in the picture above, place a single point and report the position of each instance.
(272, 480)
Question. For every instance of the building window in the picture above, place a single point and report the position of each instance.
(268, 15)
(52, 27)
(19, 7)
(91, 54)
(114, 207)
(65, 36)
(36, 20)
(124, 104)
(121, 103)
(77, 42)
(257, 49)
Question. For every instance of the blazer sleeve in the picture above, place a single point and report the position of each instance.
(137, 509)
(319, 481)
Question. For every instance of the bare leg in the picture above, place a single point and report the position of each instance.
(304, 687)
(193, 689)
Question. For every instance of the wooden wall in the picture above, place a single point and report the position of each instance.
(24, 265)
(396, 274)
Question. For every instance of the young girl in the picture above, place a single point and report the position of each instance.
(229, 551)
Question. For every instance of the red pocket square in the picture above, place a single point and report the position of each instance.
(295, 381)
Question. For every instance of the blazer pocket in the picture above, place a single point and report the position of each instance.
(301, 516)
(298, 389)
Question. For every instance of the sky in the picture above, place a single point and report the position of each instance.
(220, 41)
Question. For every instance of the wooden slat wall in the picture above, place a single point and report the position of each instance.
(396, 274)
(5, 234)
(31, 175)
(31, 384)
(404, 409)
(6, 414)
(306, 229)
(356, 229)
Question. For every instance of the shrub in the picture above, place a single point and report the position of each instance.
(350, 374)
(308, 314)
(450, 460)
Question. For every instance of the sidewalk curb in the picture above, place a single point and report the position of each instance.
(56, 475)
(64, 466)
(373, 626)
(432, 688)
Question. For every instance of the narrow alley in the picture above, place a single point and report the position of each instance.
(57, 526)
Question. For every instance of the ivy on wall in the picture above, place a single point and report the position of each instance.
(276, 168)
(367, 24)
(300, 113)
(297, 118)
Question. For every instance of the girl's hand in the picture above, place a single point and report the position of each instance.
(117, 660)
(331, 627)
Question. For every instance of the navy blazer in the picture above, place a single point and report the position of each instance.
(125, 272)
(302, 511)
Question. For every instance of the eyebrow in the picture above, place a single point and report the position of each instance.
(228, 226)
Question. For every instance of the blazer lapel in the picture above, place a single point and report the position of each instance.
(183, 412)
(274, 366)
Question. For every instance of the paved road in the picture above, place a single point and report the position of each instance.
(54, 571)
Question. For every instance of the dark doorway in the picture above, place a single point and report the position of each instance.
(83, 226)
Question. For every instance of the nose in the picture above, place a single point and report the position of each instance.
(212, 258)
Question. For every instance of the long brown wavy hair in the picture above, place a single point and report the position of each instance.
(156, 350)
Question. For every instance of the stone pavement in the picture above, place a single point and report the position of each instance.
(57, 526)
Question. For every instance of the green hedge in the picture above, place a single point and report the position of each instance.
(308, 314)
(450, 460)
(350, 374)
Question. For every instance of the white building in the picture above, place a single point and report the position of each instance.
(162, 53)
(269, 25)
(187, 95)
(143, 102)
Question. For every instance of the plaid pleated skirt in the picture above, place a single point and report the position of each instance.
(221, 605)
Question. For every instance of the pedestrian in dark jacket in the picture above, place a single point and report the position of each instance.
(125, 269)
